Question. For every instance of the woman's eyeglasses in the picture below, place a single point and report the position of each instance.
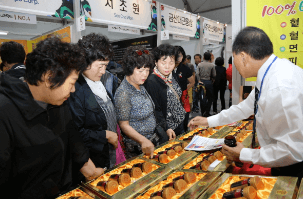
(139, 52)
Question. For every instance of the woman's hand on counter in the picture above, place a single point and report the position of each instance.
(171, 134)
(147, 147)
(90, 171)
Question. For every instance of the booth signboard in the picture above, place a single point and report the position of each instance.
(282, 21)
(181, 37)
(54, 8)
(149, 42)
(17, 17)
(213, 31)
(178, 22)
(123, 29)
(130, 13)
(37, 7)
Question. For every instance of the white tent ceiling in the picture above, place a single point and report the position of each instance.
(218, 10)
(198, 6)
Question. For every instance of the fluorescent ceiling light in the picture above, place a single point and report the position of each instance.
(3, 32)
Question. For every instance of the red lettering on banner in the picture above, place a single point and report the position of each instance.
(273, 11)
(279, 9)
(264, 11)
(291, 7)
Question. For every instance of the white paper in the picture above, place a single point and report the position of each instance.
(213, 165)
(165, 35)
(199, 143)
(17, 17)
(181, 37)
(123, 29)
(81, 23)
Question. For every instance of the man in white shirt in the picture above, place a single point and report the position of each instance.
(278, 112)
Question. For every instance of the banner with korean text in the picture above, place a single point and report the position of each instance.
(131, 13)
(37, 7)
(213, 31)
(282, 21)
(53, 8)
(178, 22)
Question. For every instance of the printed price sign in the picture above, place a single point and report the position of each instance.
(165, 35)
(81, 23)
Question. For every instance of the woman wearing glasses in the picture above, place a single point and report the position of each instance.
(134, 106)
(91, 106)
(163, 87)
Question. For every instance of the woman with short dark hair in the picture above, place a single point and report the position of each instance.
(163, 86)
(134, 106)
(219, 84)
(91, 105)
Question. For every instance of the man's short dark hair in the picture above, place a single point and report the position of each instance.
(54, 56)
(181, 50)
(96, 47)
(207, 56)
(254, 42)
(219, 61)
(132, 59)
(230, 60)
(164, 50)
(12, 52)
(198, 56)
(188, 57)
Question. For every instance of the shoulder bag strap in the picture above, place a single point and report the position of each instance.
(178, 97)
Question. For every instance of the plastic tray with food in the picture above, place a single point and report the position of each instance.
(300, 192)
(219, 127)
(206, 161)
(210, 132)
(180, 184)
(204, 132)
(249, 125)
(78, 193)
(240, 125)
(251, 187)
(171, 154)
(222, 132)
(127, 178)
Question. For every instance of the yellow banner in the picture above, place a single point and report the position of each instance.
(282, 20)
(22, 42)
(29, 45)
(63, 34)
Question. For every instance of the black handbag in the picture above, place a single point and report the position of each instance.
(163, 137)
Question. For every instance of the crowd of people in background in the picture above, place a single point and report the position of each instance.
(62, 108)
